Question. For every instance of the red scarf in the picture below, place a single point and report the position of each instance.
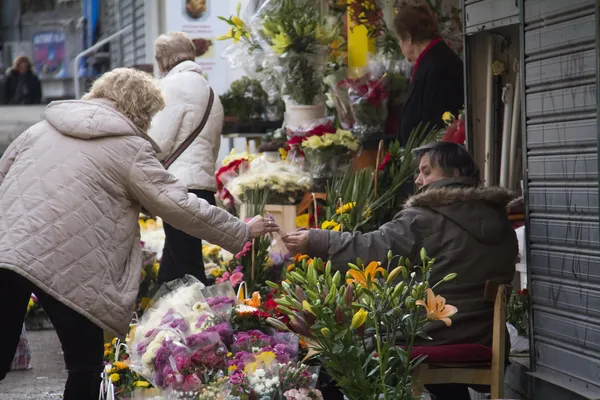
(429, 46)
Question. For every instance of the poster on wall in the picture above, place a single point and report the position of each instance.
(199, 19)
(49, 54)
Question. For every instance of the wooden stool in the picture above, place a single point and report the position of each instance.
(490, 373)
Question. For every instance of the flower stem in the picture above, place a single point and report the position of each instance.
(380, 357)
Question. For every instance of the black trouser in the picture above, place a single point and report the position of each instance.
(182, 254)
(82, 341)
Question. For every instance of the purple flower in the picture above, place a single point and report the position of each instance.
(225, 332)
(180, 325)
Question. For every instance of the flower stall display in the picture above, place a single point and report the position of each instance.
(351, 328)
(187, 347)
(296, 33)
(284, 182)
(363, 200)
(329, 154)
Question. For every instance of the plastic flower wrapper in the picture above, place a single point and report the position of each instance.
(297, 376)
(399, 71)
(297, 134)
(303, 394)
(220, 297)
(330, 154)
(284, 182)
(339, 96)
(231, 168)
(297, 33)
(285, 346)
(369, 94)
(262, 377)
(173, 313)
(250, 342)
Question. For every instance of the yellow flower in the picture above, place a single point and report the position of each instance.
(261, 360)
(119, 365)
(107, 353)
(359, 319)
(331, 225)
(142, 224)
(283, 153)
(448, 117)
(30, 304)
(114, 341)
(437, 309)
(290, 267)
(115, 378)
(156, 268)
(281, 42)
(237, 21)
(366, 277)
(345, 208)
(227, 36)
(142, 384)
(106, 346)
(216, 273)
(232, 368)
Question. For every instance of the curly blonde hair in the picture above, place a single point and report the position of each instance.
(173, 48)
(134, 93)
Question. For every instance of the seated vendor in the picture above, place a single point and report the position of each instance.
(461, 224)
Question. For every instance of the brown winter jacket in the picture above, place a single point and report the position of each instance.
(465, 228)
(71, 188)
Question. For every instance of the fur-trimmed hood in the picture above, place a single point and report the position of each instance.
(458, 190)
(481, 211)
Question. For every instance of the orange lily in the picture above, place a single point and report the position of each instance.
(254, 301)
(437, 309)
(366, 277)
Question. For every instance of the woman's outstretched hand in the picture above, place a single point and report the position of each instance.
(260, 226)
(297, 242)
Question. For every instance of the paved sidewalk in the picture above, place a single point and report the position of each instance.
(47, 378)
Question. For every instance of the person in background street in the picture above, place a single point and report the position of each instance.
(436, 84)
(463, 226)
(21, 85)
(71, 190)
(187, 99)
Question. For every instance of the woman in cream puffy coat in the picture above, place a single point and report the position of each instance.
(187, 98)
(71, 189)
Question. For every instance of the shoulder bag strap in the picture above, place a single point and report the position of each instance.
(186, 143)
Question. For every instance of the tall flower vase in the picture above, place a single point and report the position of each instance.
(299, 116)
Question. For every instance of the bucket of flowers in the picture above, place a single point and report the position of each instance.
(352, 323)
(329, 154)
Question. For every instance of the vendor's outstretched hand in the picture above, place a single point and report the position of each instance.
(296, 242)
(260, 226)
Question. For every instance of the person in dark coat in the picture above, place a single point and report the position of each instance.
(436, 84)
(21, 85)
(464, 226)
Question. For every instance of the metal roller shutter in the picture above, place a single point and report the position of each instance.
(560, 97)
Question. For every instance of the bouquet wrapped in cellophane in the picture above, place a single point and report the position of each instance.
(296, 33)
(368, 93)
(185, 345)
(329, 154)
